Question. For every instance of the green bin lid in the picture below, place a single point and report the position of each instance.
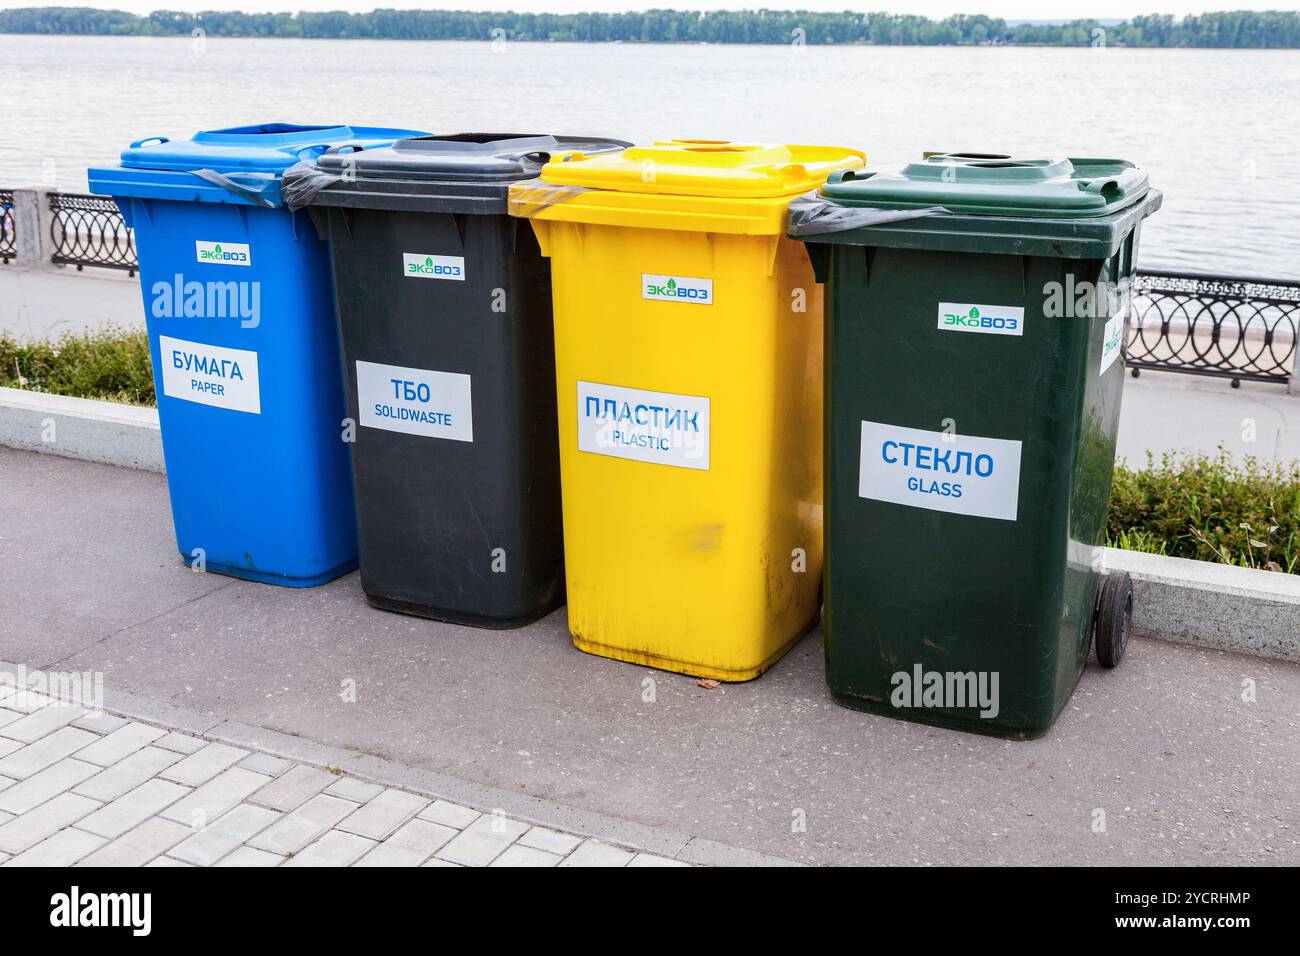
(985, 184)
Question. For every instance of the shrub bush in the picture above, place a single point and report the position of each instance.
(1210, 508)
(110, 364)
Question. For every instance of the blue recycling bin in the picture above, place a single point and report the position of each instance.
(240, 312)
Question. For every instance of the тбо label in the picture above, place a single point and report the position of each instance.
(415, 401)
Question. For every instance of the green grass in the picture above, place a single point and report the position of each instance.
(110, 364)
(1210, 508)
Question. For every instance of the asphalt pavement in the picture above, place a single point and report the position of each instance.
(1160, 761)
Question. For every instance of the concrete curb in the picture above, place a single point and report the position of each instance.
(106, 432)
(1188, 602)
(518, 806)
(1213, 605)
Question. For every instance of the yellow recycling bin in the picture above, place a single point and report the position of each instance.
(688, 351)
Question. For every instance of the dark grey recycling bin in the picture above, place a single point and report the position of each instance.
(444, 309)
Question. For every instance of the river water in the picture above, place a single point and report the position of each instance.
(1216, 129)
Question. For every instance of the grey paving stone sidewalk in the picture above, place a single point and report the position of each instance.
(87, 788)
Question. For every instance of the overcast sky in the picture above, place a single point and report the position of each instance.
(1010, 9)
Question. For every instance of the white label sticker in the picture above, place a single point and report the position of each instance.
(222, 253)
(1112, 342)
(677, 289)
(416, 266)
(963, 474)
(657, 427)
(991, 319)
(415, 401)
(210, 375)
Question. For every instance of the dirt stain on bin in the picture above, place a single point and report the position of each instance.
(707, 537)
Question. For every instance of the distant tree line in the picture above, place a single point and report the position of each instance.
(1234, 29)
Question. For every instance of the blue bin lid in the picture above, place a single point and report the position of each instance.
(238, 165)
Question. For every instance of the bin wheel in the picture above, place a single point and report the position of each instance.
(1114, 618)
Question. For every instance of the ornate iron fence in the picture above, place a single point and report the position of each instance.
(1232, 327)
(8, 237)
(89, 231)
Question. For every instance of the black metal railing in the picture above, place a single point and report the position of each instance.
(89, 231)
(8, 233)
(1232, 327)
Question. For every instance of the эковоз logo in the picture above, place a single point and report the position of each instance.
(415, 266)
(223, 254)
(992, 319)
(677, 289)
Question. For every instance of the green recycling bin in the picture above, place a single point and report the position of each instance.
(975, 316)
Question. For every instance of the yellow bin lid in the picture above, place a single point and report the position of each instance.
(707, 167)
(706, 185)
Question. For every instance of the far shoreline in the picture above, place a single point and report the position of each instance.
(188, 38)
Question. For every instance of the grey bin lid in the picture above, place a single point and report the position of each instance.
(465, 157)
(465, 172)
